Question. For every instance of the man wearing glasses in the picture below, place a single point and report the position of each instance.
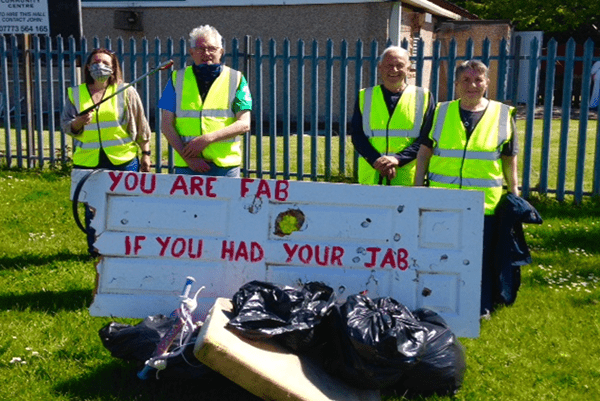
(205, 108)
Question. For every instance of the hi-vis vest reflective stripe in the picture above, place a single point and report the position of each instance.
(391, 134)
(107, 130)
(195, 117)
(474, 164)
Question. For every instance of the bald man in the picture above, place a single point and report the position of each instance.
(387, 122)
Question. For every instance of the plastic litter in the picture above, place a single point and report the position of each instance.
(374, 342)
(137, 343)
(264, 310)
(159, 341)
(442, 367)
(368, 343)
(184, 326)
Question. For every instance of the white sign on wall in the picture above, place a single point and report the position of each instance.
(24, 16)
(421, 246)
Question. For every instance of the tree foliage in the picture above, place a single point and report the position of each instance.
(539, 15)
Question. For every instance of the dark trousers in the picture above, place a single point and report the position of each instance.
(104, 163)
(487, 265)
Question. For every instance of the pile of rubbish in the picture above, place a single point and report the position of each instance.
(367, 343)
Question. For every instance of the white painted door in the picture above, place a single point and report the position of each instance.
(421, 246)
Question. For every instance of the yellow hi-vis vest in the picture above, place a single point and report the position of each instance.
(195, 117)
(474, 164)
(391, 134)
(107, 130)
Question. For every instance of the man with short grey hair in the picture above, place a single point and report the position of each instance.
(205, 109)
(387, 122)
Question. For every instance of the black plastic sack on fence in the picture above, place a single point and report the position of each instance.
(138, 343)
(442, 367)
(374, 343)
(291, 316)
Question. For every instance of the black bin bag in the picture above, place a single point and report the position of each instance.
(288, 315)
(138, 343)
(135, 343)
(374, 343)
(368, 343)
(442, 367)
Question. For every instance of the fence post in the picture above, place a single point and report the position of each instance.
(328, 107)
(62, 93)
(286, 109)
(132, 59)
(502, 70)
(37, 101)
(5, 100)
(451, 67)
(548, 108)
(583, 118)
(157, 113)
(533, 74)
(566, 116)
(145, 92)
(50, 93)
(300, 111)
(419, 62)
(358, 78)
(485, 51)
(314, 109)
(514, 91)
(273, 109)
(469, 51)
(343, 107)
(259, 111)
(17, 97)
(435, 70)
(27, 77)
(373, 63)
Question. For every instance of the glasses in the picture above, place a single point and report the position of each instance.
(209, 49)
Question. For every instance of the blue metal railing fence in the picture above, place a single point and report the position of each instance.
(304, 98)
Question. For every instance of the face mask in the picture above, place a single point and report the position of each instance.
(207, 72)
(100, 72)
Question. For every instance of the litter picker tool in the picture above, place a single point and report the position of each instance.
(160, 67)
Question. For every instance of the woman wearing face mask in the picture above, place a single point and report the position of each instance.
(111, 135)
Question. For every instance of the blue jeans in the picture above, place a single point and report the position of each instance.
(214, 171)
(105, 163)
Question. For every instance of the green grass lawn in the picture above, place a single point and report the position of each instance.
(553, 161)
(544, 347)
(319, 166)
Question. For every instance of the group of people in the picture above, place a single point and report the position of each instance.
(205, 107)
(401, 134)
(470, 143)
